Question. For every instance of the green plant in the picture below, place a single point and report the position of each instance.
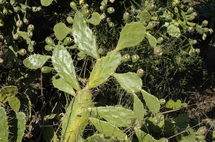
(16, 124)
(81, 110)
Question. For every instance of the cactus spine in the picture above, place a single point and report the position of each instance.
(4, 128)
(76, 117)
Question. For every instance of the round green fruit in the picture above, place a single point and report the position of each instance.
(49, 41)
(110, 10)
(73, 6)
(46, 69)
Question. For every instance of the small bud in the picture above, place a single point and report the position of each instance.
(15, 36)
(19, 23)
(30, 48)
(73, 6)
(69, 19)
(110, 10)
(190, 10)
(160, 40)
(140, 72)
(49, 47)
(67, 41)
(126, 58)
(162, 101)
(30, 27)
(102, 8)
(102, 51)
(49, 41)
(126, 17)
(30, 34)
(46, 69)
(111, 24)
(204, 23)
(135, 58)
(22, 52)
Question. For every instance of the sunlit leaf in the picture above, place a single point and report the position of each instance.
(116, 115)
(103, 68)
(63, 64)
(131, 35)
(61, 31)
(108, 129)
(131, 82)
(35, 61)
(152, 102)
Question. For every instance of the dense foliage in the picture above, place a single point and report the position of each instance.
(128, 70)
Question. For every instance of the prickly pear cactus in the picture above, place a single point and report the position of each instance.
(4, 128)
(7, 91)
(76, 117)
(21, 121)
(84, 37)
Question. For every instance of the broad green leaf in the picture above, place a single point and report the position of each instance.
(131, 35)
(172, 104)
(103, 68)
(84, 37)
(173, 31)
(46, 2)
(35, 61)
(21, 125)
(63, 64)
(116, 115)
(61, 31)
(145, 16)
(152, 40)
(152, 102)
(95, 18)
(138, 108)
(7, 91)
(62, 85)
(14, 103)
(108, 129)
(131, 82)
(143, 137)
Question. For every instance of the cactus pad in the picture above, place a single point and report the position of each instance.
(103, 68)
